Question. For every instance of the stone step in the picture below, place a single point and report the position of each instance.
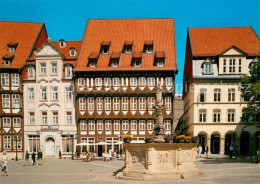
(129, 178)
(133, 174)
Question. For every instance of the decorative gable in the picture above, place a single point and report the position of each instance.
(47, 50)
(233, 51)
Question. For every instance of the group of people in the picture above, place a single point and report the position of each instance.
(112, 155)
(27, 158)
(232, 150)
(199, 150)
(88, 156)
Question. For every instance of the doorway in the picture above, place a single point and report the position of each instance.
(100, 150)
(230, 138)
(202, 141)
(50, 147)
(215, 144)
(244, 143)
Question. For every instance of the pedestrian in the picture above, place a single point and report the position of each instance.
(231, 149)
(200, 150)
(33, 158)
(206, 150)
(39, 155)
(26, 156)
(5, 163)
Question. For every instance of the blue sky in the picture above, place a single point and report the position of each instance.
(67, 18)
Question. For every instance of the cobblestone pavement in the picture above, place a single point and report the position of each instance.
(55, 171)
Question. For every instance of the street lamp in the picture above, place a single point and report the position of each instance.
(16, 139)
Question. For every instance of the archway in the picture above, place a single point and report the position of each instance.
(203, 140)
(50, 147)
(215, 143)
(230, 138)
(244, 143)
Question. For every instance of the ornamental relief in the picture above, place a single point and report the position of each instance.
(186, 155)
(165, 157)
(138, 156)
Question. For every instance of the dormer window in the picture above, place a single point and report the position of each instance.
(72, 51)
(8, 58)
(148, 46)
(137, 63)
(11, 49)
(159, 59)
(92, 59)
(136, 59)
(7, 62)
(114, 63)
(114, 59)
(62, 43)
(12, 46)
(207, 67)
(104, 49)
(128, 47)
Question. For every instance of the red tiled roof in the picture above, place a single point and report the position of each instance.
(213, 41)
(148, 42)
(115, 54)
(8, 56)
(129, 42)
(161, 31)
(12, 44)
(160, 54)
(93, 55)
(66, 50)
(22, 32)
(137, 54)
(106, 43)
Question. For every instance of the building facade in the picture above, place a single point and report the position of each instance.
(15, 49)
(117, 75)
(215, 60)
(49, 100)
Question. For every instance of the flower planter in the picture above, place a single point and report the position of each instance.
(181, 140)
(127, 140)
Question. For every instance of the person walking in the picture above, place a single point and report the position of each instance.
(33, 158)
(39, 155)
(206, 150)
(27, 156)
(200, 150)
(231, 149)
(5, 163)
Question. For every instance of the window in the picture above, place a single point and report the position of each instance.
(92, 63)
(54, 69)
(100, 125)
(232, 64)
(141, 125)
(169, 81)
(108, 104)
(83, 125)
(54, 93)
(151, 103)
(31, 118)
(207, 68)
(81, 82)
(68, 93)
(31, 73)
(151, 81)
(55, 118)
(133, 105)
(217, 95)
(116, 81)
(68, 118)
(104, 49)
(137, 63)
(44, 118)
(5, 79)
(160, 62)
(150, 125)
(108, 82)
(125, 125)
(15, 79)
(44, 93)
(133, 125)
(6, 101)
(17, 122)
(31, 94)
(7, 62)
(108, 125)
(167, 125)
(43, 69)
(91, 125)
(202, 116)
(91, 103)
(72, 52)
(142, 103)
(142, 81)
(128, 48)
(216, 115)
(116, 125)
(82, 104)
(231, 115)
(168, 103)
(99, 103)
(133, 81)
(98, 82)
(16, 101)
(224, 66)
(202, 95)
(19, 142)
(114, 63)
(7, 142)
(34, 143)
(148, 47)
(116, 103)
(231, 95)
(68, 72)
(239, 65)
(67, 143)
(6, 122)
(125, 104)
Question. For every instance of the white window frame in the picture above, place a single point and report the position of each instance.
(232, 65)
(6, 122)
(125, 125)
(116, 125)
(202, 115)
(6, 101)
(68, 117)
(141, 125)
(108, 82)
(231, 115)
(81, 82)
(133, 103)
(99, 101)
(151, 103)
(54, 93)
(31, 94)
(91, 125)
(44, 93)
(142, 81)
(100, 125)
(133, 125)
(54, 69)
(31, 116)
(167, 125)
(31, 72)
(68, 72)
(116, 81)
(150, 125)
(125, 103)
(116, 103)
(83, 125)
(217, 95)
(82, 103)
(5, 79)
(15, 79)
(151, 81)
(169, 81)
(98, 82)
(142, 103)
(168, 103)
(7, 142)
(216, 115)
(44, 118)
(43, 69)
(108, 124)
(133, 81)
(17, 122)
(231, 94)
(16, 101)
(107, 103)
(91, 103)
(68, 93)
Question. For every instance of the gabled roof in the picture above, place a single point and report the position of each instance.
(18, 32)
(213, 41)
(158, 31)
(66, 50)
(233, 47)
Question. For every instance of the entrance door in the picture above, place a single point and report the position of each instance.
(50, 147)
(100, 150)
(215, 144)
(229, 139)
(244, 143)
(202, 141)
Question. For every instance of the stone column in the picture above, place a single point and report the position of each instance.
(208, 143)
(222, 146)
(128, 159)
(150, 159)
(179, 158)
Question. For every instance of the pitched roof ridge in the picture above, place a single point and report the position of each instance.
(133, 19)
(21, 22)
(219, 27)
